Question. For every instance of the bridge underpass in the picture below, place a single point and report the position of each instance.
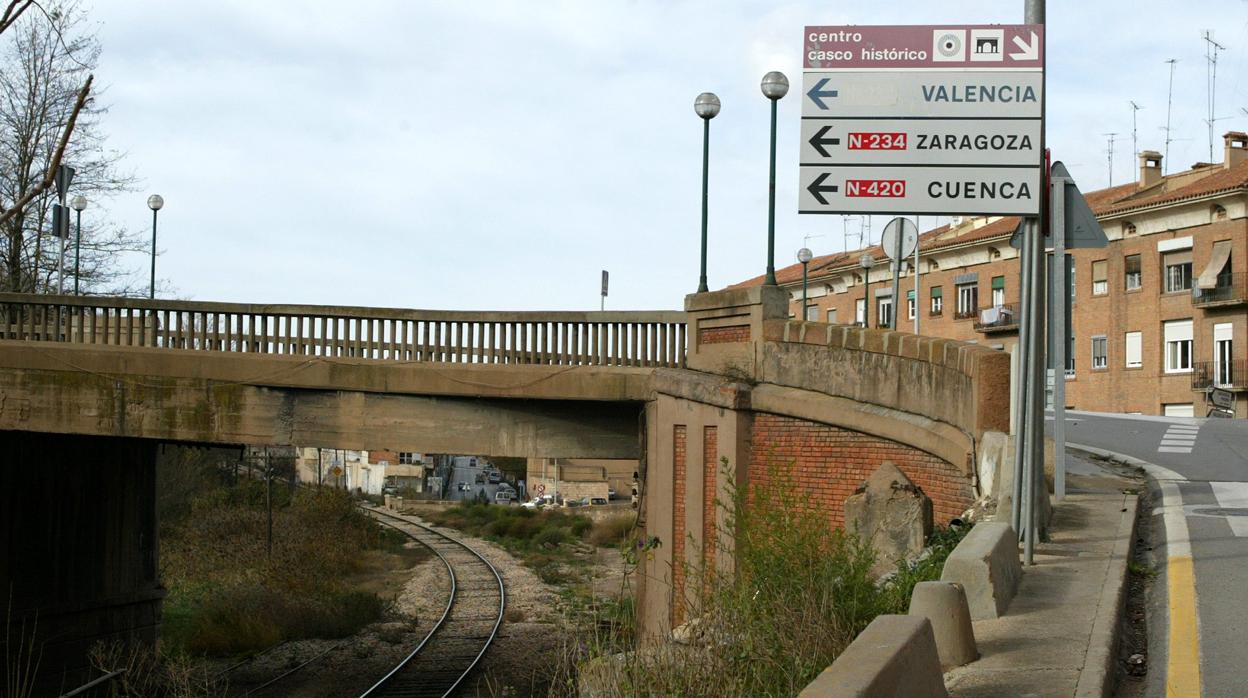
(729, 378)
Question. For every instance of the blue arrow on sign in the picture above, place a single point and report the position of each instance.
(817, 94)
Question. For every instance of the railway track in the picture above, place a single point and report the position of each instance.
(439, 665)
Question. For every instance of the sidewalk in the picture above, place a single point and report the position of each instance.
(1059, 635)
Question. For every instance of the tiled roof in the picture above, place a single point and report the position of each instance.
(1104, 202)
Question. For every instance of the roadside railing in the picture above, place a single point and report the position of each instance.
(997, 318)
(614, 338)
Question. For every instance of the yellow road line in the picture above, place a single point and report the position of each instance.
(1183, 655)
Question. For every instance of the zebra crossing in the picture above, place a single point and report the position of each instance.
(1179, 438)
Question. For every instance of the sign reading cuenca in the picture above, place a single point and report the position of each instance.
(922, 120)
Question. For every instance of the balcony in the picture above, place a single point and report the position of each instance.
(1231, 375)
(960, 314)
(1232, 289)
(998, 318)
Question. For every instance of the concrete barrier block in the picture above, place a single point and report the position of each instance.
(944, 604)
(986, 564)
(894, 657)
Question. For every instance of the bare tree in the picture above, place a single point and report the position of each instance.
(48, 115)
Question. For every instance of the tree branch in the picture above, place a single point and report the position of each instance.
(49, 177)
(12, 12)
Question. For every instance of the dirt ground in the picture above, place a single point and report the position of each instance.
(520, 662)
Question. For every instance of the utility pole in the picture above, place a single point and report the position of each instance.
(1169, 105)
(1135, 146)
(1211, 81)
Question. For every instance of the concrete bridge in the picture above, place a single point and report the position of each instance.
(91, 387)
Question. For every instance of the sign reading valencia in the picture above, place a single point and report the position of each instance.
(922, 120)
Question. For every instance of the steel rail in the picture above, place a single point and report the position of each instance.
(388, 685)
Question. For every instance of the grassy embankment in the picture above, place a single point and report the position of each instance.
(229, 595)
(800, 595)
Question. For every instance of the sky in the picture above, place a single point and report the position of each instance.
(493, 155)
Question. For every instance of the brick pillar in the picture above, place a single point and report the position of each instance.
(710, 487)
(678, 523)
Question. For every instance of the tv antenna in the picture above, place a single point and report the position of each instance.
(1110, 138)
(1135, 142)
(1169, 104)
(1211, 81)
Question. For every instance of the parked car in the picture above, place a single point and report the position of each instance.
(538, 502)
(502, 497)
(597, 501)
(495, 477)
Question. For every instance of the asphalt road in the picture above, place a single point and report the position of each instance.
(468, 476)
(1209, 460)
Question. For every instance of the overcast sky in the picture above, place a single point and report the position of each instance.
(498, 155)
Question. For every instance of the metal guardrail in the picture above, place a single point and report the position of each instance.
(613, 338)
(1231, 289)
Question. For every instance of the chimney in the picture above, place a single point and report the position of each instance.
(1150, 168)
(1236, 148)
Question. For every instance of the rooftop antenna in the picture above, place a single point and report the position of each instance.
(1211, 74)
(1169, 104)
(1111, 137)
(1135, 142)
(806, 239)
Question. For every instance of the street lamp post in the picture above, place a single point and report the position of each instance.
(866, 262)
(705, 106)
(78, 203)
(775, 86)
(804, 256)
(154, 202)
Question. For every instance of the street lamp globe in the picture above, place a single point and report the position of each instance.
(706, 105)
(775, 85)
(804, 255)
(155, 202)
(866, 261)
(78, 203)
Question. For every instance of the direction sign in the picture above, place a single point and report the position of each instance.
(922, 120)
(1222, 398)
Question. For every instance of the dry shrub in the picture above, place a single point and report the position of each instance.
(151, 675)
(613, 530)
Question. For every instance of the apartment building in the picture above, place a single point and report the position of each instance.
(1159, 316)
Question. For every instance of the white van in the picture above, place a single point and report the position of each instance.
(502, 497)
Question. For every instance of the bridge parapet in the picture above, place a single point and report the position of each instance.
(638, 339)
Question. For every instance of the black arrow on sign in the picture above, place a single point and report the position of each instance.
(817, 188)
(818, 142)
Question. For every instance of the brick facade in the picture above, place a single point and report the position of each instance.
(679, 469)
(710, 468)
(829, 463)
(724, 335)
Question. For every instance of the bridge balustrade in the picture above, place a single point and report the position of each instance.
(614, 338)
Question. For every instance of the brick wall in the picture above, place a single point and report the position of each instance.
(710, 454)
(829, 463)
(724, 335)
(678, 523)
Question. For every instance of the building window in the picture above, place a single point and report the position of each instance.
(812, 313)
(860, 312)
(884, 315)
(1219, 213)
(1128, 228)
(910, 305)
(1178, 335)
(1134, 345)
(1223, 355)
(832, 316)
(998, 290)
(1100, 353)
(938, 303)
(968, 300)
(408, 458)
(1178, 266)
(1132, 272)
(1100, 278)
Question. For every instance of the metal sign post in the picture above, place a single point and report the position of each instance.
(602, 304)
(901, 236)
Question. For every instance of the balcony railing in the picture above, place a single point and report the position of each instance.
(1228, 375)
(960, 314)
(1232, 289)
(998, 318)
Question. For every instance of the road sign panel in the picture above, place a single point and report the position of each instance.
(977, 47)
(922, 94)
(922, 120)
(1222, 398)
(920, 190)
(920, 142)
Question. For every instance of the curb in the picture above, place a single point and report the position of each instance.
(1096, 678)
